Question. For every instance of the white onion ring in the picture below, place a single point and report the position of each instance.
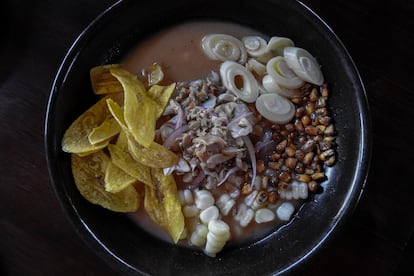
(276, 44)
(278, 69)
(271, 86)
(224, 47)
(275, 108)
(303, 64)
(256, 47)
(229, 70)
(255, 66)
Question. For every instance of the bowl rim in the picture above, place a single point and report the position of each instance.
(98, 247)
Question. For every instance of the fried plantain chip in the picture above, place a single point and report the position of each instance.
(153, 156)
(105, 131)
(123, 159)
(102, 80)
(116, 179)
(161, 95)
(98, 147)
(76, 137)
(117, 113)
(122, 141)
(162, 204)
(89, 175)
(139, 108)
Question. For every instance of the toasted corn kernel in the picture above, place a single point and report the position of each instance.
(303, 178)
(318, 176)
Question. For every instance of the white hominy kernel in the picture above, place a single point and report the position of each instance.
(225, 203)
(244, 215)
(295, 190)
(208, 214)
(303, 190)
(229, 205)
(219, 233)
(218, 238)
(204, 199)
(221, 201)
(247, 218)
(288, 195)
(218, 227)
(188, 196)
(190, 211)
(199, 235)
(264, 215)
(250, 198)
(285, 211)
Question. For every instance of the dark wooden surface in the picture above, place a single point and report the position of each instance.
(36, 238)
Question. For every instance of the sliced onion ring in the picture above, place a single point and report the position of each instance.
(229, 70)
(271, 86)
(256, 47)
(224, 47)
(256, 67)
(276, 44)
(278, 69)
(275, 108)
(303, 64)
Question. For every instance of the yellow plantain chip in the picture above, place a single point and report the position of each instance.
(98, 147)
(76, 137)
(105, 131)
(89, 175)
(139, 108)
(122, 141)
(162, 204)
(116, 179)
(161, 95)
(123, 160)
(154, 156)
(116, 110)
(102, 80)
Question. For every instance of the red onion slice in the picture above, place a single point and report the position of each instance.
(172, 138)
(252, 155)
(229, 172)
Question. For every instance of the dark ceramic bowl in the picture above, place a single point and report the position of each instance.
(114, 236)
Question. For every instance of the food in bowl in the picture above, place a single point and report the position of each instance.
(221, 159)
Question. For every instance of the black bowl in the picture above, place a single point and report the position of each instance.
(131, 250)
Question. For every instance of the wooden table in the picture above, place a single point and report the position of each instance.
(36, 238)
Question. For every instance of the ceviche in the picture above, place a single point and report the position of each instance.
(214, 160)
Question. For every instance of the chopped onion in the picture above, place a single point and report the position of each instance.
(278, 69)
(276, 44)
(303, 64)
(252, 155)
(275, 108)
(224, 47)
(229, 70)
